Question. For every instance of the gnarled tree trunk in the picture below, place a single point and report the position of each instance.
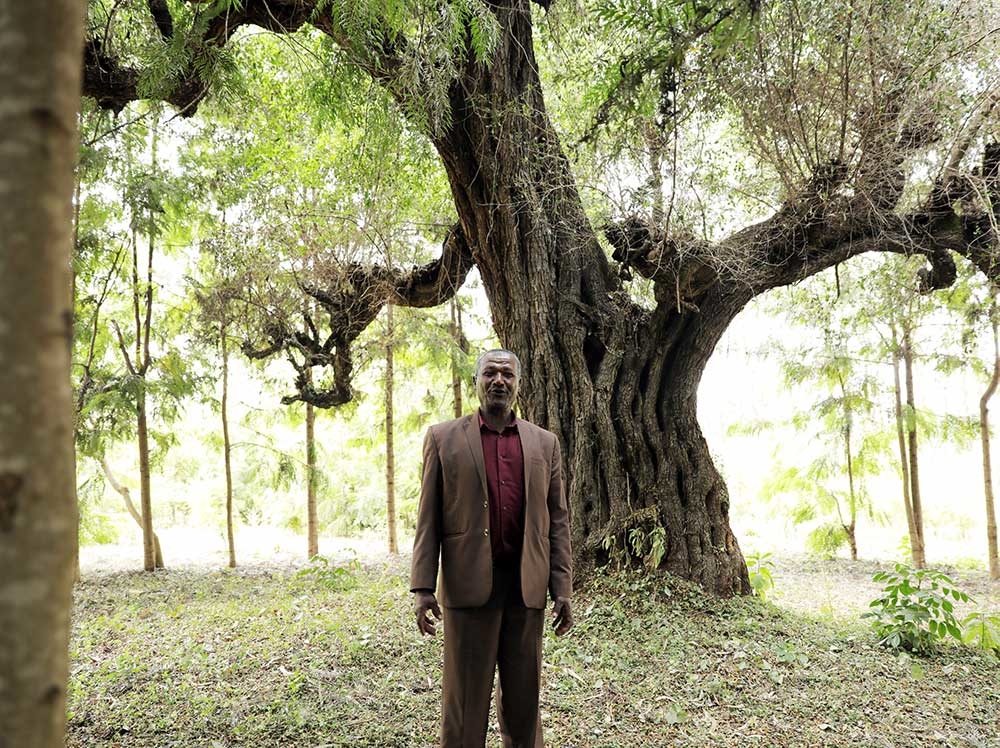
(618, 384)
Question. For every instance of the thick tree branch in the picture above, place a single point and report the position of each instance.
(114, 84)
(817, 229)
(351, 296)
(164, 21)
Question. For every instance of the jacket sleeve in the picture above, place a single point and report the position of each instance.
(560, 550)
(427, 540)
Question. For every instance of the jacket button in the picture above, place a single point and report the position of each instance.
(486, 531)
(486, 504)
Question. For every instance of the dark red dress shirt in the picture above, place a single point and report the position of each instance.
(504, 460)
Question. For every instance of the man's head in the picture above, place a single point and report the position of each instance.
(498, 376)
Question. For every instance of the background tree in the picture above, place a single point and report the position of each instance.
(39, 99)
(830, 361)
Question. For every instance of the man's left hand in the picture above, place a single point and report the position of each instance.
(562, 616)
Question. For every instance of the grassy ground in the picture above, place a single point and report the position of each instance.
(267, 657)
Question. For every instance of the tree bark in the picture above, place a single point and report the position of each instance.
(917, 540)
(984, 432)
(227, 447)
(916, 552)
(312, 519)
(126, 495)
(390, 454)
(40, 46)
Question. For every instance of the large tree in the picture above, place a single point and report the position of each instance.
(39, 94)
(848, 115)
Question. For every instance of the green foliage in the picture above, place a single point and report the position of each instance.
(826, 539)
(916, 609)
(332, 576)
(96, 525)
(760, 565)
(982, 630)
(644, 542)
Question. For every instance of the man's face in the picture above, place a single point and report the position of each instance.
(497, 382)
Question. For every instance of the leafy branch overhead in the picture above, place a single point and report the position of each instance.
(349, 298)
(845, 208)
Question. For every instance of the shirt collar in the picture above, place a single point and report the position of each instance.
(512, 424)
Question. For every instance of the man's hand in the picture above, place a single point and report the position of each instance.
(424, 603)
(562, 616)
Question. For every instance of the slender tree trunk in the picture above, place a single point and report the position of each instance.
(390, 455)
(916, 552)
(227, 448)
(984, 432)
(917, 540)
(151, 558)
(138, 364)
(76, 246)
(851, 527)
(312, 518)
(41, 47)
(618, 384)
(122, 490)
(459, 339)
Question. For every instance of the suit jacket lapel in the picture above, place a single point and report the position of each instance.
(472, 436)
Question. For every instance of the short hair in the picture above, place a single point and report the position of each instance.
(484, 354)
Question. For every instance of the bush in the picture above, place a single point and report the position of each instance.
(916, 609)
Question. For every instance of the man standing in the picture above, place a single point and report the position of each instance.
(492, 508)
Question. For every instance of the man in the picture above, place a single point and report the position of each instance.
(492, 507)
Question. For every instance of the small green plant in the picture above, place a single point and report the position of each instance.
(760, 566)
(331, 576)
(650, 546)
(916, 609)
(982, 630)
(788, 653)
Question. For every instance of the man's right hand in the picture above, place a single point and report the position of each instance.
(424, 603)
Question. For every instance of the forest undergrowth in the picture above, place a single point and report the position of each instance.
(328, 655)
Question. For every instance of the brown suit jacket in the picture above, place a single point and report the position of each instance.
(453, 518)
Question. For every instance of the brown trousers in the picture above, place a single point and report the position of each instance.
(503, 636)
